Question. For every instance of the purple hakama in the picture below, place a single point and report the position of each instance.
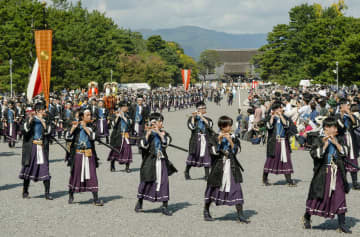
(274, 165)
(11, 132)
(354, 161)
(89, 185)
(34, 171)
(329, 206)
(125, 156)
(105, 132)
(147, 190)
(196, 160)
(234, 197)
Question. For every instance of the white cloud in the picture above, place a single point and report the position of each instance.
(233, 16)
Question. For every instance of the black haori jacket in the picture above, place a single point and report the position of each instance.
(145, 112)
(74, 140)
(317, 185)
(290, 130)
(342, 130)
(194, 134)
(67, 123)
(28, 132)
(116, 139)
(148, 165)
(217, 168)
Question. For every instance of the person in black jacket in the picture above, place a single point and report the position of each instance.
(20, 114)
(155, 167)
(35, 151)
(58, 117)
(120, 138)
(102, 129)
(347, 123)
(83, 159)
(199, 145)
(139, 114)
(10, 116)
(329, 185)
(224, 182)
(278, 159)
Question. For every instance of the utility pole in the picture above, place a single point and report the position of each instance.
(337, 75)
(11, 81)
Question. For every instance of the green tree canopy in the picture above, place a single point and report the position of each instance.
(309, 46)
(86, 46)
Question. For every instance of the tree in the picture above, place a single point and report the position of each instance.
(155, 43)
(209, 60)
(86, 46)
(309, 45)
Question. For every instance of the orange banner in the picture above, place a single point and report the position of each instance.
(43, 43)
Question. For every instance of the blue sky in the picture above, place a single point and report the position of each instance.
(232, 16)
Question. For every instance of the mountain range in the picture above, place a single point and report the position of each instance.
(195, 39)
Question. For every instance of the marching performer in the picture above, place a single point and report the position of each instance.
(224, 182)
(67, 119)
(278, 159)
(59, 117)
(35, 156)
(83, 160)
(102, 129)
(10, 117)
(328, 186)
(120, 138)
(93, 108)
(199, 154)
(156, 167)
(347, 124)
(139, 113)
(20, 114)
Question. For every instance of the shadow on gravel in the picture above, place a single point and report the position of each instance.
(104, 199)
(56, 160)
(55, 195)
(172, 207)
(233, 216)
(283, 182)
(123, 170)
(10, 186)
(8, 154)
(333, 224)
(202, 178)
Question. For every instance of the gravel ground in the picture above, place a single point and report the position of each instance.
(273, 211)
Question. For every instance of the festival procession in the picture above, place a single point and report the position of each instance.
(154, 145)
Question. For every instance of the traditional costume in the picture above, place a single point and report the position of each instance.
(83, 162)
(278, 158)
(120, 140)
(155, 169)
(35, 153)
(328, 186)
(199, 145)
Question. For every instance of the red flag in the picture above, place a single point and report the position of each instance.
(186, 74)
(34, 86)
(254, 84)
